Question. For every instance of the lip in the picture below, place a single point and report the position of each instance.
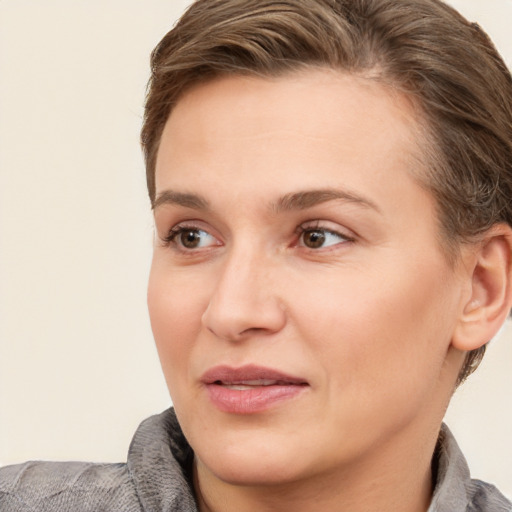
(250, 389)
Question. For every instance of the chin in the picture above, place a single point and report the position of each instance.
(252, 470)
(251, 459)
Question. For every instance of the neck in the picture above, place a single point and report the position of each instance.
(387, 482)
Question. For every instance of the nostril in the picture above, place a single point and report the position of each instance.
(242, 323)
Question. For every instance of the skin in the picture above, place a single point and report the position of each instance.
(367, 318)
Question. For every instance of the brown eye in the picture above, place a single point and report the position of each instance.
(320, 238)
(313, 239)
(190, 238)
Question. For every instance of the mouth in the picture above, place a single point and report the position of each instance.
(250, 389)
(250, 384)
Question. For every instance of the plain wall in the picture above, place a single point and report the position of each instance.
(78, 369)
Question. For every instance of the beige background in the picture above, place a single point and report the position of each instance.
(78, 369)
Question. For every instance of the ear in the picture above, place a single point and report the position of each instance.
(490, 297)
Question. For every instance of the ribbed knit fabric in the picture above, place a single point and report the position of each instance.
(157, 478)
(153, 480)
(455, 490)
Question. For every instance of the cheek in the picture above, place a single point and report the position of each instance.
(175, 320)
(381, 347)
(392, 325)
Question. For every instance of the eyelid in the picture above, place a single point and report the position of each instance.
(169, 240)
(344, 234)
(325, 225)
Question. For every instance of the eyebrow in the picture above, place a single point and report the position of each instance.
(180, 199)
(301, 200)
(309, 198)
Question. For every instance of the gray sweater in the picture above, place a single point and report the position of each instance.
(157, 477)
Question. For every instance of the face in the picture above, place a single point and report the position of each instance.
(301, 304)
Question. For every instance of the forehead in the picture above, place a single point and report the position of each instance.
(311, 94)
(310, 114)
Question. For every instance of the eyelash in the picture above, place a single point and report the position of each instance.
(176, 231)
(319, 228)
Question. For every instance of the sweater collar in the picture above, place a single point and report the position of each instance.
(160, 462)
(453, 477)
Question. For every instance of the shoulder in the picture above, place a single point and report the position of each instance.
(59, 486)
(454, 489)
(157, 476)
(486, 497)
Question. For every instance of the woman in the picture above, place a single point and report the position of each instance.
(331, 187)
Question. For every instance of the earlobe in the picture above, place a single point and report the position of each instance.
(490, 298)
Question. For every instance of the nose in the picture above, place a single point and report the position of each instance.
(246, 299)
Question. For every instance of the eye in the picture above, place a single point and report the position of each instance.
(317, 238)
(190, 238)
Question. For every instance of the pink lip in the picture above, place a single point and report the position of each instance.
(223, 383)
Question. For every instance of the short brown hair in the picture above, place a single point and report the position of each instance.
(446, 65)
